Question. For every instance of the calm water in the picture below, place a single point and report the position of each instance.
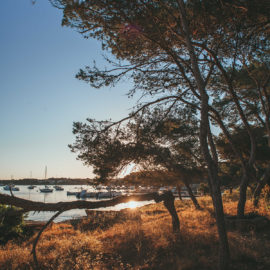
(61, 196)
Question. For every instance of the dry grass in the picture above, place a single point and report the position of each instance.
(143, 239)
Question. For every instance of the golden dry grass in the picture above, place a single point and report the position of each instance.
(143, 239)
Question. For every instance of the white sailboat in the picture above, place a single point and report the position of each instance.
(46, 189)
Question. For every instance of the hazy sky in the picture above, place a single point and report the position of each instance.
(39, 95)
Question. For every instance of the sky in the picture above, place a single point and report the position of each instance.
(40, 97)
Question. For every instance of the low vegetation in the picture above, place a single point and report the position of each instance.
(11, 223)
(142, 238)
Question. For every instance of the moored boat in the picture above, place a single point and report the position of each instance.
(104, 195)
(74, 193)
(85, 194)
(46, 189)
(117, 193)
(12, 187)
(59, 188)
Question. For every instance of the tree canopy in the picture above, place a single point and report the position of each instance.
(185, 53)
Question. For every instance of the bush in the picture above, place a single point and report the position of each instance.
(11, 223)
(266, 195)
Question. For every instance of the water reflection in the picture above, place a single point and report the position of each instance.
(132, 204)
(57, 196)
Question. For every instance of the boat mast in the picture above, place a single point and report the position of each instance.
(45, 172)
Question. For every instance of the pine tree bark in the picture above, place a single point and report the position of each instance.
(263, 181)
(191, 195)
(179, 192)
(224, 254)
(242, 196)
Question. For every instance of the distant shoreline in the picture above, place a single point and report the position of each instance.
(49, 181)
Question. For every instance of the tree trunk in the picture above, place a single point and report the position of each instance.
(191, 195)
(224, 254)
(179, 191)
(260, 186)
(242, 197)
(168, 201)
(248, 174)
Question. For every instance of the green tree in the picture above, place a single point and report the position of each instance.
(178, 48)
(162, 139)
(251, 83)
(100, 150)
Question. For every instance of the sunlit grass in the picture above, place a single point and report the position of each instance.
(141, 238)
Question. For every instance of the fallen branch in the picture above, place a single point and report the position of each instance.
(64, 206)
(60, 207)
(28, 205)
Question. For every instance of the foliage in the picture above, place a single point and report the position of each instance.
(100, 150)
(230, 168)
(162, 139)
(266, 195)
(148, 42)
(204, 188)
(182, 52)
(242, 142)
(151, 177)
(11, 223)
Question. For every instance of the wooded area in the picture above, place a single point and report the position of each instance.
(202, 70)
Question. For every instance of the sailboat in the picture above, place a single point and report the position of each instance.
(46, 189)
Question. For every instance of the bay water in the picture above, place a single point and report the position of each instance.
(61, 196)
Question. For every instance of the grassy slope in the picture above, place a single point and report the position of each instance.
(143, 239)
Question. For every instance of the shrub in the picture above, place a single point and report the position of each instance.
(11, 223)
(266, 195)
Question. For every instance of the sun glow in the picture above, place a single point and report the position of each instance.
(132, 204)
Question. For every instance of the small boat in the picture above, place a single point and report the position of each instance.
(81, 194)
(104, 195)
(99, 187)
(116, 194)
(46, 189)
(91, 195)
(7, 187)
(58, 188)
(70, 193)
(12, 187)
(31, 187)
